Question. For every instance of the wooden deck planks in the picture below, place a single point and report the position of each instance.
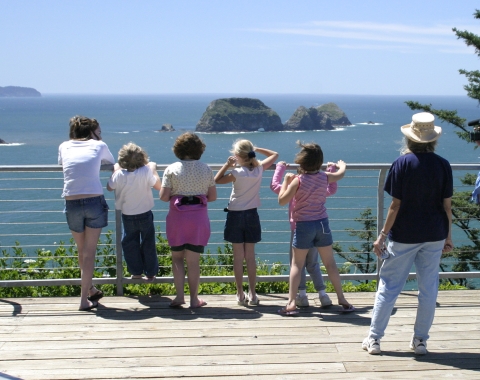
(129, 337)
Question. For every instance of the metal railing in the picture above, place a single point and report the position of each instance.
(35, 220)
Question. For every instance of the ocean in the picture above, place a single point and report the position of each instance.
(35, 127)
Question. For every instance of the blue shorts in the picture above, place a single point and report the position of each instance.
(86, 212)
(315, 233)
(243, 227)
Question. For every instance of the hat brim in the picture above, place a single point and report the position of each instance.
(432, 136)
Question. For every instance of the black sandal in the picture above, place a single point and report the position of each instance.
(96, 296)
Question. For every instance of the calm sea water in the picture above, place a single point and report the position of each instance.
(41, 124)
(35, 127)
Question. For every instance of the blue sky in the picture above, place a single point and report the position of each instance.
(385, 47)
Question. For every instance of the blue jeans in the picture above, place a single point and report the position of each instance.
(313, 268)
(138, 244)
(393, 275)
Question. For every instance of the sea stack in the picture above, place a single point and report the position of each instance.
(239, 115)
(167, 128)
(324, 117)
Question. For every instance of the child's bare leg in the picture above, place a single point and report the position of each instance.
(251, 269)
(326, 254)
(298, 261)
(238, 257)
(87, 248)
(178, 269)
(193, 271)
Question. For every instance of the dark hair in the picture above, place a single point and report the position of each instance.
(310, 157)
(188, 145)
(82, 127)
(132, 157)
(411, 146)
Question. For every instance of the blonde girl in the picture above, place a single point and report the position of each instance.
(308, 191)
(242, 227)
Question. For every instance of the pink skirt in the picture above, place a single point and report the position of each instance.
(189, 223)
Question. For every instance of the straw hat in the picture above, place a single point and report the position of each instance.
(422, 129)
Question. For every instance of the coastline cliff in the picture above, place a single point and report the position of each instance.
(18, 92)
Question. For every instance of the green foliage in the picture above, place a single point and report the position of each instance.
(62, 263)
(332, 110)
(361, 257)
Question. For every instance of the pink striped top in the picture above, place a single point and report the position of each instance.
(310, 197)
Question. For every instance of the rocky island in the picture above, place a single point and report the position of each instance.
(251, 115)
(239, 115)
(18, 92)
(326, 117)
(166, 128)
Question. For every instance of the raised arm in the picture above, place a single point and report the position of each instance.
(276, 183)
(288, 189)
(110, 185)
(332, 186)
(271, 157)
(339, 174)
(153, 168)
(222, 178)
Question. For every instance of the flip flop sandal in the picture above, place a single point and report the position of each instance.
(96, 296)
(285, 312)
(201, 303)
(94, 305)
(347, 309)
(176, 305)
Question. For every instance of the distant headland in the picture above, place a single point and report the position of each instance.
(18, 92)
(252, 115)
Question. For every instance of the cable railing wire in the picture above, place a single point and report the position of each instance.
(360, 179)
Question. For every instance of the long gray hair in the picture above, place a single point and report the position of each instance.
(410, 146)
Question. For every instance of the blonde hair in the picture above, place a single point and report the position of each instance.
(246, 151)
(132, 157)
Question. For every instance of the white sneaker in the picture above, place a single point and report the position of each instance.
(243, 302)
(371, 345)
(419, 346)
(325, 300)
(301, 301)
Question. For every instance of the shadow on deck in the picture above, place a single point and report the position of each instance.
(141, 337)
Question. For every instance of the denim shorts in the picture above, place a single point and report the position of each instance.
(315, 233)
(86, 212)
(190, 247)
(243, 227)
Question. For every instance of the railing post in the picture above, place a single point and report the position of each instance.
(380, 206)
(118, 249)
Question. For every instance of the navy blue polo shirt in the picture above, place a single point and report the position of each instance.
(421, 181)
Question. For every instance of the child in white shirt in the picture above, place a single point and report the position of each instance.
(132, 181)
